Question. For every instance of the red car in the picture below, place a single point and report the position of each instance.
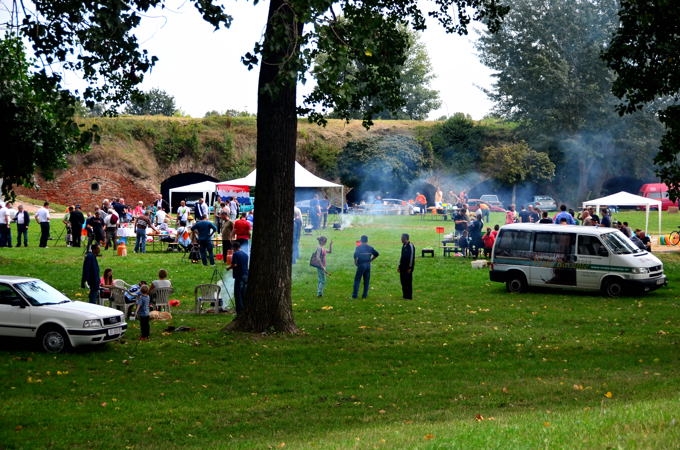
(473, 205)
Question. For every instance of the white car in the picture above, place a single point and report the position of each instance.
(31, 308)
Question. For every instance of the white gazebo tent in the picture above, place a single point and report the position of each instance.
(303, 178)
(624, 198)
(205, 189)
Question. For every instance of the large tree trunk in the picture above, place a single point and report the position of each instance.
(268, 298)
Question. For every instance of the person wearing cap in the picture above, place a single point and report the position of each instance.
(77, 220)
(90, 276)
(364, 255)
(321, 271)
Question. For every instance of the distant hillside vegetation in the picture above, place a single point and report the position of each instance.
(153, 148)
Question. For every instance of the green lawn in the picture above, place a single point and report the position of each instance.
(464, 365)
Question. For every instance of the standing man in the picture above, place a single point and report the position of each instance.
(91, 273)
(23, 220)
(77, 219)
(141, 223)
(364, 255)
(233, 209)
(325, 205)
(42, 216)
(205, 230)
(315, 212)
(421, 203)
(4, 225)
(239, 263)
(201, 209)
(297, 232)
(242, 232)
(406, 264)
(182, 214)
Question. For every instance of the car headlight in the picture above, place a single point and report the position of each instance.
(639, 270)
(92, 323)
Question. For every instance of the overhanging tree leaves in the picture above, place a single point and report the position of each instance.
(111, 59)
(36, 121)
(644, 54)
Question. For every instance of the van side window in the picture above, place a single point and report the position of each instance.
(515, 243)
(590, 246)
(555, 243)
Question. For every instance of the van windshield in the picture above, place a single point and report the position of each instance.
(619, 244)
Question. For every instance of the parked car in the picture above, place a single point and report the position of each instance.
(473, 205)
(304, 207)
(31, 308)
(491, 200)
(544, 203)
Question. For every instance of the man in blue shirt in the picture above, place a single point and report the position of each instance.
(205, 230)
(563, 214)
(239, 264)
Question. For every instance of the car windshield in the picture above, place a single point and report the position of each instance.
(619, 244)
(39, 293)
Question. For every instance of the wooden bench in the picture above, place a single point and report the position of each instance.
(426, 251)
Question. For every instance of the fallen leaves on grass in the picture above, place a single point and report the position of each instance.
(608, 395)
(327, 308)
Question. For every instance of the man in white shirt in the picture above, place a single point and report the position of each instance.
(4, 225)
(182, 214)
(11, 214)
(42, 216)
(201, 209)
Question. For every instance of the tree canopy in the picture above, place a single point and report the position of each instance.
(156, 102)
(36, 119)
(644, 55)
(415, 99)
(551, 79)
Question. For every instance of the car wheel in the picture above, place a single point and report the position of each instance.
(612, 287)
(516, 283)
(54, 340)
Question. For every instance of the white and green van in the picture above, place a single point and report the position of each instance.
(572, 257)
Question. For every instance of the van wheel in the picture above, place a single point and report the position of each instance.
(516, 283)
(54, 340)
(612, 287)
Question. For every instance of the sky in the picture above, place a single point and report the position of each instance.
(201, 68)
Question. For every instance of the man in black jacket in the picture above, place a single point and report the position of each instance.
(77, 220)
(406, 264)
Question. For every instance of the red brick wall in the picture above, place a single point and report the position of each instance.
(89, 187)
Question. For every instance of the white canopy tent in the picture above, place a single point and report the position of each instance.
(303, 178)
(624, 198)
(205, 189)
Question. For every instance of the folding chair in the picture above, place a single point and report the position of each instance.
(118, 300)
(207, 293)
(161, 297)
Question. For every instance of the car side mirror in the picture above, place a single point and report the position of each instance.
(18, 302)
(602, 252)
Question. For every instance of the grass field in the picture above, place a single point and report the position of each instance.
(464, 365)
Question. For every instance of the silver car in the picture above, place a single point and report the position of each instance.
(31, 308)
(545, 203)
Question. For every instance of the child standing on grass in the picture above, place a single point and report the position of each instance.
(143, 313)
(321, 269)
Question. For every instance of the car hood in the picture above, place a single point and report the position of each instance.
(83, 309)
